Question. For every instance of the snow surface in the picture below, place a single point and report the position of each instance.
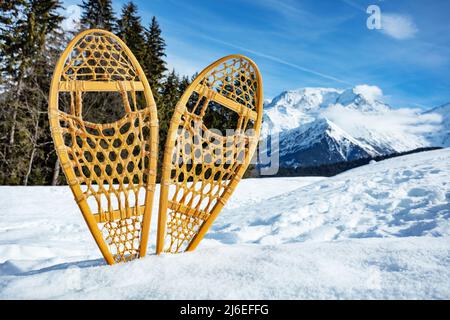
(378, 231)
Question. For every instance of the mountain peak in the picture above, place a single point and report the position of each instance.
(363, 97)
(293, 108)
(304, 98)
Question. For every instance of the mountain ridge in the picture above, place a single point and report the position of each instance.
(326, 125)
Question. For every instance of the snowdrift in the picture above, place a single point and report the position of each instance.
(377, 231)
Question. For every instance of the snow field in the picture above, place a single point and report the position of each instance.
(378, 231)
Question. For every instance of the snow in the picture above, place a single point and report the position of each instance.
(318, 143)
(293, 108)
(359, 112)
(365, 268)
(377, 231)
(398, 197)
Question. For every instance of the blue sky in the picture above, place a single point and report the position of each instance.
(322, 43)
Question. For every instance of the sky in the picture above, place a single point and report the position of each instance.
(405, 53)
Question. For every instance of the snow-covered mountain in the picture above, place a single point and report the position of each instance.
(327, 125)
(322, 141)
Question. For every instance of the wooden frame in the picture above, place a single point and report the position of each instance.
(107, 166)
(192, 193)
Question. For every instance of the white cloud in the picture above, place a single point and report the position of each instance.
(395, 121)
(371, 93)
(398, 26)
(72, 17)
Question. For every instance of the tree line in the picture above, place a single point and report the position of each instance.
(332, 169)
(31, 41)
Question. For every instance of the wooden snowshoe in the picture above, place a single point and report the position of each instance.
(110, 167)
(203, 166)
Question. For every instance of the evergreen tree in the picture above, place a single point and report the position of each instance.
(170, 91)
(97, 14)
(24, 102)
(31, 42)
(184, 83)
(170, 95)
(8, 12)
(153, 60)
(24, 37)
(131, 31)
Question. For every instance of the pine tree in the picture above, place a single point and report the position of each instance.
(31, 42)
(97, 14)
(8, 11)
(184, 83)
(24, 103)
(25, 36)
(170, 95)
(153, 61)
(131, 31)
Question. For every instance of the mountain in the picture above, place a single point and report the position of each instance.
(292, 109)
(322, 142)
(326, 125)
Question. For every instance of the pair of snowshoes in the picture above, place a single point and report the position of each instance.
(111, 167)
